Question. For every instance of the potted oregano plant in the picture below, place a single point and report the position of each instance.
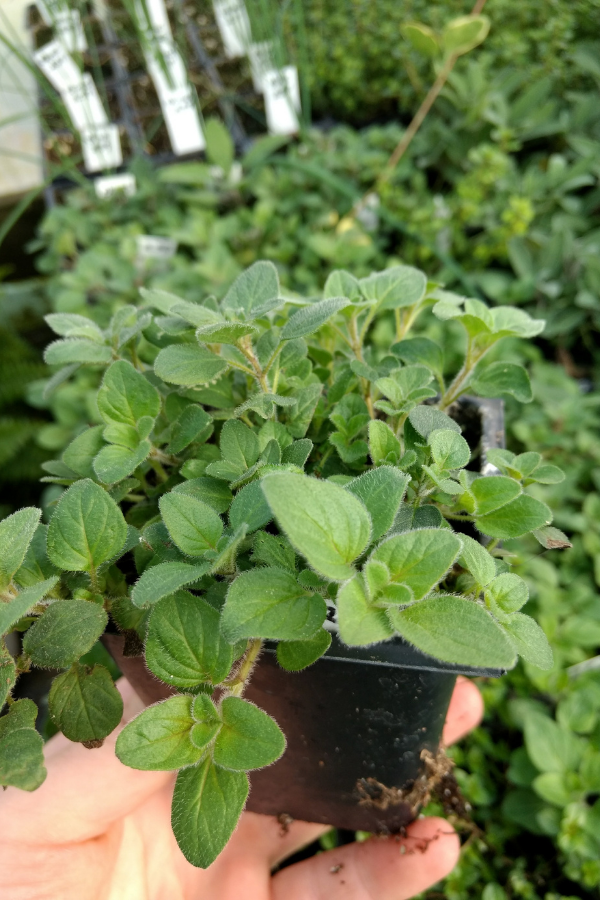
(271, 474)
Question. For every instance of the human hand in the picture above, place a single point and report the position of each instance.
(97, 830)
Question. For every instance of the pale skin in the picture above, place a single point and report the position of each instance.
(97, 830)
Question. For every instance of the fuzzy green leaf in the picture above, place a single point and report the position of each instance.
(15, 609)
(209, 490)
(84, 704)
(360, 623)
(87, 528)
(67, 630)
(184, 646)
(493, 492)
(420, 351)
(506, 594)
(207, 804)
(21, 748)
(515, 519)
(449, 449)
(419, 559)
(501, 378)
(464, 33)
(384, 446)
(477, 560)
(250, 508)
(297, 655)
(551, 748)
(188, 365)
(16, 534)
(254, 290)
(164, 579)
(74, 326)
(269, 603)
(192, 422)
(194, 526)
(239, 445)
(224, 332)
(80, 453)
(249, 738)
(114, 463)
(322, 521)
(77, 350)
(425, 419)
(341, 284)
(395, 287)
(125, 395)
(312, 317)
(381, 490)
(529, 640)
(158, 739)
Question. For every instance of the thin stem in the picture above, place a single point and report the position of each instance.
(245, 346)
(249, 659)
(160, 472)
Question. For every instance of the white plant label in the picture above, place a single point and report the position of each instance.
(234, 26)
(84, 105)
(58, 67)
(166, 57)
(182, 120)
(260, 56)
(282, 99)
(155, 15)
(111, 184)
(101, 147)
(66, 24)
(152, 246)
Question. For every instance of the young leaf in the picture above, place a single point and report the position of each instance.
(254, 290)
(477, 560)
(250, 508)
(21, 748)
(341, 284)
(87, 528)
(273, 551)
(192, 422)
(80, 453)
(384, 446)
(493, 492)
(419, 559)
(84, 704)
(194, 526)
(209, 490)
(420, 351)
(297, 655)
(125, 395)
(425, 419)
(515, 519)
(322, 521)
(269, 603)
(297, 453)
(15, 609)
(550, 747)
(67, 630)
(77, 350)
(188, 365)
(422, 38)
(449, 449)
(381, 490)
(395, 287)
(224, 332)
(529, 640)
(164, 579)
(310, 318)
(406, 387)
(239, 445)
(8, 675)
(464, 33)
(72, 325)
(501, 378)
(158, 739)
(184, 646)
(114, 463)
(16, 534)
(207, 803)
(360, 623)
(454, 630)
(506, 594)
(207, 721)
(249, 738)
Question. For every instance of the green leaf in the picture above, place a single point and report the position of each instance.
(224, 332)
(239, 445)
(384, 446)
(360, 623)
(300, 418)
(550, 747)
(192, 422)
(207, 721)
(188, 365)
(419, 559)
(80, 453)
(322, 521)
(194, 526)
(422, 38)
(21, 748)
(493, 492)
(477, 560)
(87, 528)
(529, 640)
(164, 579)
(184, 646)
(67, 630)
(454, 630)
(125, 395)
(8, 675)
(253, 291)
(395, 287)
(16, 534)
(297, 655)
(501, 378)
(77, 350)
(420, 351)
(36, 566)
(219, 146)
(249, 738)
(250, 508)
(273, 551)
(552, 538)
(425, 419)
(464, 33)
(312, 317)
(158, 739)
(269, 603)
(408, 385)
(297, 453)
(74, 326)
(84, 703)
(552, 787)
(509, 320)
(449, 449)
(341, 284)
(207, 804)
(506, 594)
(194, 313)
(517, 518)
(115, 463)
(209, 490)
(381, 490)
(547, 474)
(15, 609)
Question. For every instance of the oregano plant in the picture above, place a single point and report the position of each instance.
(262, 469)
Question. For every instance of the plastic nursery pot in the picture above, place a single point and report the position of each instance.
(363, 724)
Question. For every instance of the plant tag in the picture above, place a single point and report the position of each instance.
(110, 184)
(181, 118)
(101, 146)
(152, 246)
(282, 99)
(260, 56)
(58, 67)
(84, 105)
(234, 26)
(153, 13)
(65, 22)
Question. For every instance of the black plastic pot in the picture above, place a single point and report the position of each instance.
(358, 722)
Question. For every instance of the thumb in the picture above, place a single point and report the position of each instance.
(85, 790)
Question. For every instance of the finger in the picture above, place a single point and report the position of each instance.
(84, 792)
(378, 869)
(275, 839)
(465, 711)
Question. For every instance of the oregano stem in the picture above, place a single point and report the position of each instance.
(238, 685)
